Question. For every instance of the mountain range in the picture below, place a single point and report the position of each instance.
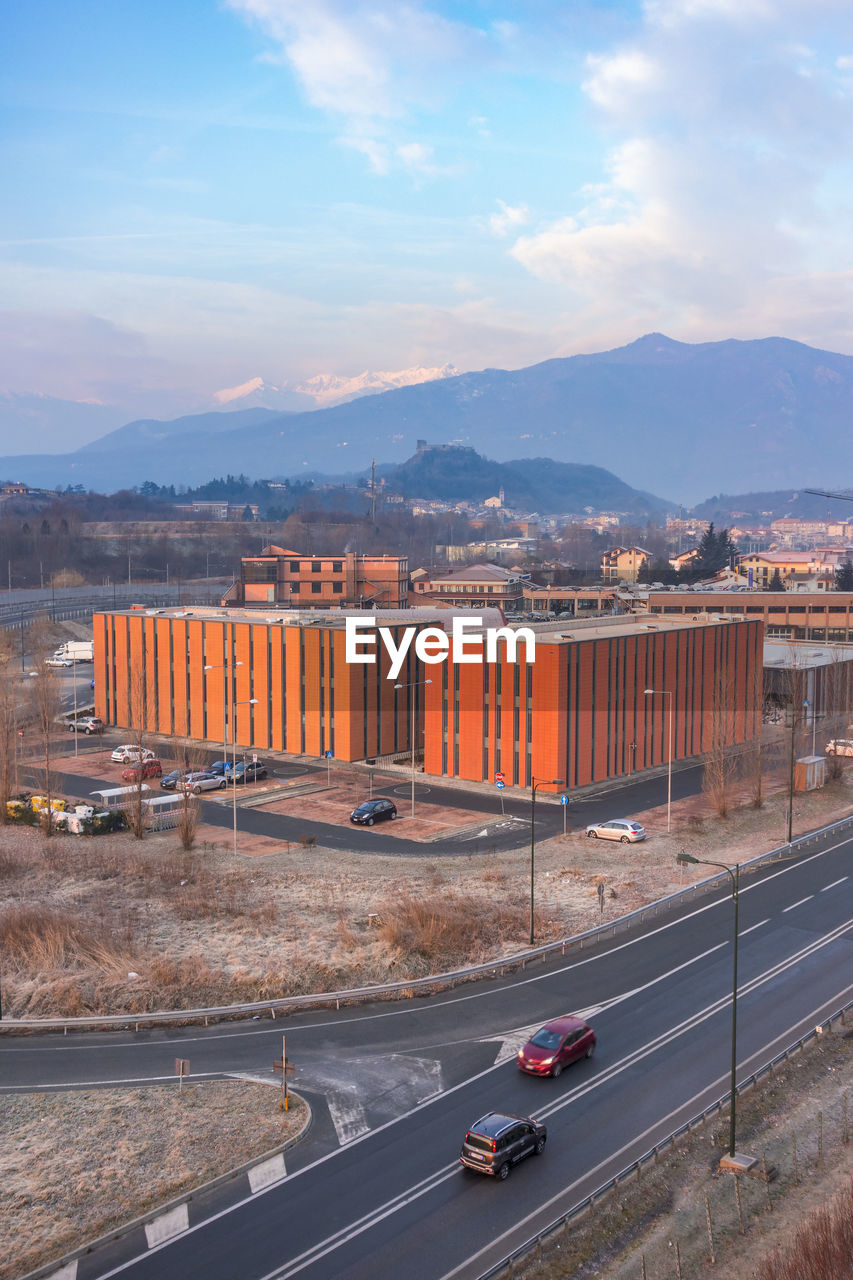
(668, 417)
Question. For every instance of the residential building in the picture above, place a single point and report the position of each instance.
(623, 564)
(475, 586)
(795, 567)
(575, 601)
(219, 510)
(281, 577)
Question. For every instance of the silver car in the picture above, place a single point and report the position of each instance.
(617, 829)
(196, 782)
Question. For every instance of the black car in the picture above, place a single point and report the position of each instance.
(247, 771)
(370, 811)
(496, 1142)
(169, 781)
(219, 767)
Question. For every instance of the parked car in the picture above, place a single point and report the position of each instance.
(840, 747)
(129, 753)
(558, 1043)
(219, 766)
(86, 724)
(204, 781)
(58, 662)
(496, 1142)
(170, 781)
(148, 769)
(246, 771)
(370, 811)
(617, 829)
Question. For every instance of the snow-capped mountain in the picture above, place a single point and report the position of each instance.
(324, 389)
(328, 389)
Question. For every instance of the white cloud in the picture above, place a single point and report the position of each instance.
(729, 176)
(509, 218)
(372, 63)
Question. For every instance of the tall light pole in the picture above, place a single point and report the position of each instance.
(412, 684)
(74, 682)
(537, 782)
(249, 702)
(735, 878)
(667, 693)
(231, 695)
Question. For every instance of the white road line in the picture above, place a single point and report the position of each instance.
(475, 995)
(794, 905)
(691, 1102)
(834, 884)
(753, 927)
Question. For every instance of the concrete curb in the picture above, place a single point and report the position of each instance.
(62, 1266)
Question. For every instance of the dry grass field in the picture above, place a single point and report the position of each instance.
(113, 924)
(76, 1165)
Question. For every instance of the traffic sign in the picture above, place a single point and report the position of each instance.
(500, 784)
(328, 755)
(499, 777)
(564, 799)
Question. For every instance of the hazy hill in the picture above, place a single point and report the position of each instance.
(455, 473)
(669, 417)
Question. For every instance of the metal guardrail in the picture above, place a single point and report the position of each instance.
(651, 1156)
(62, 611)
(406, 988)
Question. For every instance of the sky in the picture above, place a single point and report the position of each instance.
(200, 193)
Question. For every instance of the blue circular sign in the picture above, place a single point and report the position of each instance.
(564, 799)
(500, 785)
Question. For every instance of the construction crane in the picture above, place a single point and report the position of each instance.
(822, 493)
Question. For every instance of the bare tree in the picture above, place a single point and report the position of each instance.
(720, 763)
(754, 756)
(837, 702)
(140, 714)
(44, 700)
(192, 758)
(9, 722)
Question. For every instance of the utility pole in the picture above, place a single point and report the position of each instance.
(373, 490)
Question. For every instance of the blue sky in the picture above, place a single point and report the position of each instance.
(199, 193)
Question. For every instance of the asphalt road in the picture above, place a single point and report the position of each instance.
(375, 1187)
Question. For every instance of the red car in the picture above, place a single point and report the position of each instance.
(148, 769)
(556, 1045)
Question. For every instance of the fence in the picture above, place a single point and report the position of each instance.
(406, 987)
(536, 1243)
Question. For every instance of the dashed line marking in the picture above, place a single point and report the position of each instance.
(794, 905)
(744, 932)
(834, 884)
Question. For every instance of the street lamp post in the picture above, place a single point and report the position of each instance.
(667, 693)
(74, 682)
(537, 782)
(412, 684)
(231, 705)
(735, 879)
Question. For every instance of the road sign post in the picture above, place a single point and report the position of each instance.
(182, 1068)
(328, 768)
(564, 801)
(287, 1069)
(499, 783)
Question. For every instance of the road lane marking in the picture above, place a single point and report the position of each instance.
(691, 1102)
(167, 1225)
(440, 1175)
(753, 927)
(475, 995)
(834, 884)
(794, 905)
(267, 1173)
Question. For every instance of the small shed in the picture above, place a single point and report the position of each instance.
(809, 773)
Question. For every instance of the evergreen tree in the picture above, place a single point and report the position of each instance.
(844, 576)
(775, 583)
(715, 553)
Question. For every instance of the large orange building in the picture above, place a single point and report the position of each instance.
(579, 713)
(281, 577)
